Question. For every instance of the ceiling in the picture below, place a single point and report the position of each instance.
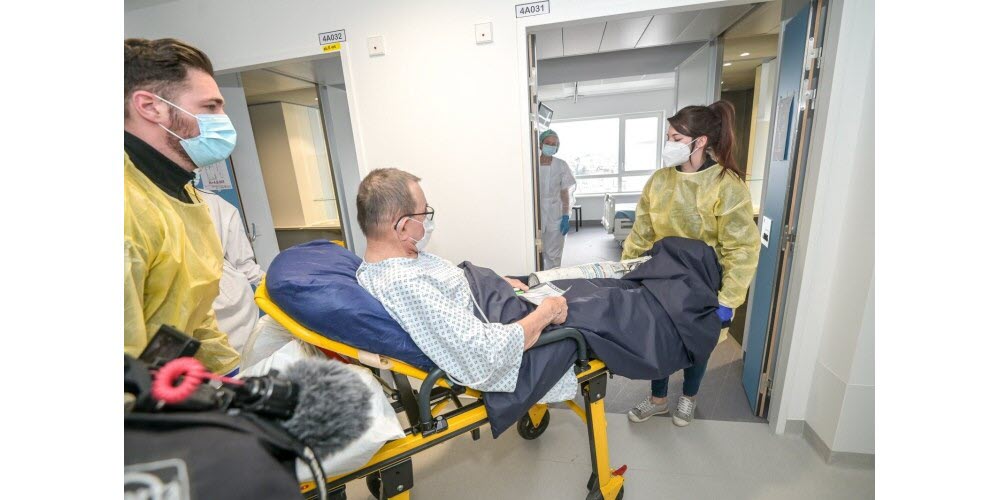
(131, 5)
(741, 70)
(638, 32)
(264, 85)
(755, 35)
(293, 82)
(606, 86)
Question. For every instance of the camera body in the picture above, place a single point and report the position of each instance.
(270, 396)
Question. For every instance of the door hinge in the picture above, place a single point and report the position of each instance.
(808, 98)
(811, 50)
(788, 237)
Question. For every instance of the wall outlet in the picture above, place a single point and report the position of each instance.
(376, 46)
(484, 33)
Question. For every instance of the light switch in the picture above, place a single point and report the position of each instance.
(376, 46)
(484, 33)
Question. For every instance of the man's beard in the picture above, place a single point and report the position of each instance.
(179, 126)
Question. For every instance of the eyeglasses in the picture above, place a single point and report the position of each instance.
(429, 213)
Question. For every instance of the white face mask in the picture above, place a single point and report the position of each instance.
(676, 153)
(428, 229)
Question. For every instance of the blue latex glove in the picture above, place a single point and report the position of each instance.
(725, 314)
(564, 225)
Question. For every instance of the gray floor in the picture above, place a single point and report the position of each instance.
(721, 396)
(708, 459)
(590, 244)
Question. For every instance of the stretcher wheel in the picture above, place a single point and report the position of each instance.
(374, 484)
(529, 431)
(595, 493)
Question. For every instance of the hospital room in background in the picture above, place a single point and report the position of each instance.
(606, 86)
(288, 168)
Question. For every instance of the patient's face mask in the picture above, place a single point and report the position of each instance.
(428, 229)
(676, 153)
(549, 150)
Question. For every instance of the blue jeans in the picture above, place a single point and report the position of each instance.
(692, 381)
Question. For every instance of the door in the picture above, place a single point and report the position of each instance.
(801, 40)
(534, 127)
(245, 166)
(698, 77)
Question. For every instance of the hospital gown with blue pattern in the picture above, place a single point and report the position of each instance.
(430, 298)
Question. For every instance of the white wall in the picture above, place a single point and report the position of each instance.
(826, 357)
(275, 155)
(661, 101)
(437, 104)
(758, 163)
(295, 164)
(311, 164)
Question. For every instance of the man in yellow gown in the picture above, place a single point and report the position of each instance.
(174, 123)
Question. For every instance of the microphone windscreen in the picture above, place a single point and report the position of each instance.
(334, 405)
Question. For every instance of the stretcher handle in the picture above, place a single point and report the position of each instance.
(427, 424)
(582, 360)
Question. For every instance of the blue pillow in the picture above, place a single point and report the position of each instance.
(316, 284)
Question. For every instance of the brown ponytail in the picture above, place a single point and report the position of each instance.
(715, 122)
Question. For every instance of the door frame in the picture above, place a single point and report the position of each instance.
(784, 231)
(354, 238)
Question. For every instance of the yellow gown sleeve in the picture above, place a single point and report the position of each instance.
(135, 278)
(739, 244)
(640, 239)
(215, 352)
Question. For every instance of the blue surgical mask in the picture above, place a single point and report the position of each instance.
(215, 141)
(549, 150)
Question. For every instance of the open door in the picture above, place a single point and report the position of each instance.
(798, 73)
(247, 181)
(697, 79)
(534, 127)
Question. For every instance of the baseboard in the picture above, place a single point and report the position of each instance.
(859, 460)
(794, 427)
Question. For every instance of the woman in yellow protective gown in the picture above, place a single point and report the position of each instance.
(700, 194)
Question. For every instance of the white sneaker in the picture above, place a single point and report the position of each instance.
(646, 409)
(685, 411)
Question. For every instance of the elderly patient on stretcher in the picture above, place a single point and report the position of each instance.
(431, 299)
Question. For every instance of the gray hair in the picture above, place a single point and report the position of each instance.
(383, 196)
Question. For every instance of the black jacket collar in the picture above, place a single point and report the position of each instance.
(167, 175)
(708, 163)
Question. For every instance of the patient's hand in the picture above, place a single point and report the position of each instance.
(516, 283)
(559, 308)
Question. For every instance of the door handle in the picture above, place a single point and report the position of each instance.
(252, 235)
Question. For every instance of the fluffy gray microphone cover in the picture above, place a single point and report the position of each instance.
(334, 405)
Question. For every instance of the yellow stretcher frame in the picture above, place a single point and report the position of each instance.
(393, 459)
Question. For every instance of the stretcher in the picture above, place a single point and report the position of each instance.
(436, 414)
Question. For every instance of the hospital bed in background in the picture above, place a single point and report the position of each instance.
(435, 414)
(618, 218)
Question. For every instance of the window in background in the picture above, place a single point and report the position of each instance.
(611, 155)
(590, 147)
(641, 139)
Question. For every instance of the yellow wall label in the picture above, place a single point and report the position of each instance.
(333, 47)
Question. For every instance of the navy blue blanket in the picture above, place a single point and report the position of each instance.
(658, 319)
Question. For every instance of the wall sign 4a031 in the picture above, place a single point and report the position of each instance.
(532, 9)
